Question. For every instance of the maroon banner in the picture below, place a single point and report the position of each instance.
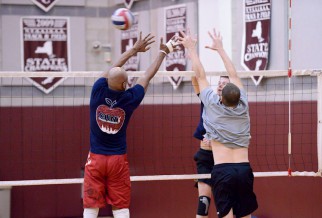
(45, 48)
(255, 52)
(45, 5)
(128, 3)
(128, 38)
(175, 19)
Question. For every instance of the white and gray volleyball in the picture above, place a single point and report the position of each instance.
(122, 18)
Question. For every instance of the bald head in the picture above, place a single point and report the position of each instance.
(117, 79)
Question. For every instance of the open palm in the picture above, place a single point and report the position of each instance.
(216, 41)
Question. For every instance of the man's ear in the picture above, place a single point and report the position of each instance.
(222, 100)
(124, 85)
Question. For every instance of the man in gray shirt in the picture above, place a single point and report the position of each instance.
(227, 124)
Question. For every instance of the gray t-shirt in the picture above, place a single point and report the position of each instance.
(229, 126)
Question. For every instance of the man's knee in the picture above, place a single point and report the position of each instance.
(204, 189)
(203, 205)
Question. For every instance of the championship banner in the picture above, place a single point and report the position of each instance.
(128, 3)
(175, 20)
(128, 39)
(255, 49)
(45, 5)
(45, 48)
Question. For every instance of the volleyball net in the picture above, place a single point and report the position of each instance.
(44, 126)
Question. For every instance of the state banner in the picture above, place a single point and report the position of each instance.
(45, 48)
(175, 20)
(256, 38)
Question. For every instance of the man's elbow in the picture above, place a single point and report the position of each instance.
(201, 77)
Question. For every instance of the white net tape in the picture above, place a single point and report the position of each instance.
(242, 74)
(147, 178)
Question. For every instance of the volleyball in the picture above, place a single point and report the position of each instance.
(122, 18)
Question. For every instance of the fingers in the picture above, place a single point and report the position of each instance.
(179, 38)
(147, 40)
(140, 37)
(209, 47)
(182, 33)
(173, 37)
(220, 36)
(188, 31)
(173, 40)
(161, 40)
(211, 36)
(177, 47)
(148, 37)
(215, 33)
(148, 43)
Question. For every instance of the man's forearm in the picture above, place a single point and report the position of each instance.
(232, 73)
(151, 71)
(198, 69)
(196, 64)
(120, 62)
(228, 63)
(153, 68)
(195, 84)
(124, 57)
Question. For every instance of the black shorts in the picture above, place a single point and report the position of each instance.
(205, 162)
(233, 188)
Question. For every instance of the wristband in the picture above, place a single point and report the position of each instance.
(170, 45)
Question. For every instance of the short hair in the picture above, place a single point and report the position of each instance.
(224, 77)
(231, 95)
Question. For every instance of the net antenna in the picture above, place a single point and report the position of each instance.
(289, 85)
(319, 124)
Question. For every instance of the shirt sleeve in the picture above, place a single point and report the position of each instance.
(136, 94)
(208, 96)
(243, 96)
(98, 85)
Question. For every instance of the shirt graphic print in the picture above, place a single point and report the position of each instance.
(109, 119)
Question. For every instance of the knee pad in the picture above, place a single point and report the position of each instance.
(203, 205)
(121, 213)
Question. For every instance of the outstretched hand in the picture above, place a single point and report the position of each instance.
(216, 41)
(170, 46)
(142, 45)
(187, 40)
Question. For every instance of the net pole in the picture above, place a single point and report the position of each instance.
(289, 86)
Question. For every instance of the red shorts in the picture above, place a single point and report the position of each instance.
(107, 181)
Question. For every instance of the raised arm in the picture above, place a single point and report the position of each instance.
(141, 45)
(153, 68)
(195, 85)
(190, 44)
(218, 46)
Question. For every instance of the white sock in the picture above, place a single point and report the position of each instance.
(90, 212)
(121, 213)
